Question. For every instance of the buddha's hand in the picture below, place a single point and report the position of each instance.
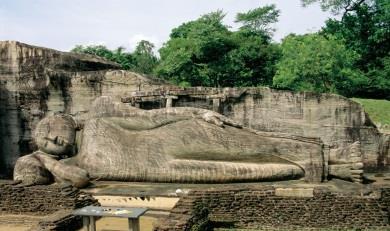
(219, 120)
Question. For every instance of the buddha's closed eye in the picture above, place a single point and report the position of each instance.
(57, 140)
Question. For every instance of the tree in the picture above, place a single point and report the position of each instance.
(144, 57)
(252, 62)
(98, 50)
(338, 6)
(196, 51)
(259, 19)
(126, 60)
(205, 52)
(141, 60)
(366, 30)
(315, 63)
(378, 85)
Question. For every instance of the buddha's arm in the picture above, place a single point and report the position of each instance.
(158, 117)
(67, 173)
(106, 107)
(181, 113)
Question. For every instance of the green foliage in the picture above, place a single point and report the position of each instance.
(378, 85)
(350, 56)
(259, 19)
(126, 60)
(205, 52)
(378, 110)
(337, 6)
(366, 30)
(200, 220)
(144, 57)
(141, 60)
(211, 22)
(194, 51)
(252, 63)
(315, 63)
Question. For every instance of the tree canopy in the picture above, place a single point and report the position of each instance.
(315, 63)
(259, 19)
(141, 60)
(366, 31)
(337, 6)
(350, 55)
(205, 52)
(144, 58)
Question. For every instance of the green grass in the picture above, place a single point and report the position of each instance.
(379, 112)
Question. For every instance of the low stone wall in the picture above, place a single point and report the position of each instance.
(274, 209)
(54, 203)
(41, 200)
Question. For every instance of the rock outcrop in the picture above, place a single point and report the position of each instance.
(337, 120)
(181, 145)
(36, 81)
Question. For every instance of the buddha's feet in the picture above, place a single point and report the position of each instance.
(347, 163)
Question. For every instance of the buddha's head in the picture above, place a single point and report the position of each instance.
(56, 135)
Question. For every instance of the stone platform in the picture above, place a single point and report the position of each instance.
(165, 200)
(144, 190)
(333, 205)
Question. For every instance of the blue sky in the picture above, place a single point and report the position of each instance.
(61, 24)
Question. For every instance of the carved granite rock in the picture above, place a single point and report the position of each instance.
(337, 120)
(174, 145)
(36, 81)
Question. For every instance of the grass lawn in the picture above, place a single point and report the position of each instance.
(379, 112)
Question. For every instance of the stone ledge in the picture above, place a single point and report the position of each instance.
(294, 192)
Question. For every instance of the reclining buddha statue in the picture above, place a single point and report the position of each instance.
(115, 141)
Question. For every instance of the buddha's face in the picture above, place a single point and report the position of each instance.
(56, 134)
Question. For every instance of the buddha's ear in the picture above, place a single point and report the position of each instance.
(79, 120)
(79, 124)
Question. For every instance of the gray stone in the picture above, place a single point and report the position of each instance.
(337, 120)
(36, 81)
(188, 145)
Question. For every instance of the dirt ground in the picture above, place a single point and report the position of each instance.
(11, 222)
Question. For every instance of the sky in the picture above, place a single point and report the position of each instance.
(62, 24)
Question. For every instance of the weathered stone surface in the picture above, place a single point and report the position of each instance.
(51, 205)
(41, 200)
(29, 170)
(36, 81)
(178, 144)
(294, 192)
(59, 220)
(337, 120)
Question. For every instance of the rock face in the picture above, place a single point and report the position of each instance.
(337, 120)
(176, 144)
(36, 81)
(187, 145)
